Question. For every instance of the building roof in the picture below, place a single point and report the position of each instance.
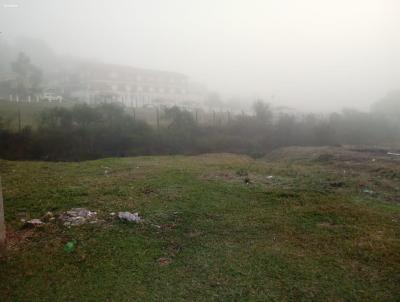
(127, 71)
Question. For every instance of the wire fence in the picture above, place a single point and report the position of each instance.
(18, 115)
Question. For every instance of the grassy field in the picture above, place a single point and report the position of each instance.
(324, 227)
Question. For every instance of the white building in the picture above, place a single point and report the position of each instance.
(97, 83)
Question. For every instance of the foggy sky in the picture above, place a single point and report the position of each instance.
(309, 54)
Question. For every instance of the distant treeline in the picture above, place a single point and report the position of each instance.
(84, 132)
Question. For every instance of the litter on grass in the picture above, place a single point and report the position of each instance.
(78, 216)
(69, 247)
(367, 191)
(33, 222)
(48, 217)
(127, 216)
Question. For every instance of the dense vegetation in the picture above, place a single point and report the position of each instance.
(84, 132)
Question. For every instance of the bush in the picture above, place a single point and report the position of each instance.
(85, 132)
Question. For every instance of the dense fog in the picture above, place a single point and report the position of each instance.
(310, 55)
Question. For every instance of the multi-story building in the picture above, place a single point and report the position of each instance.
(97, 83)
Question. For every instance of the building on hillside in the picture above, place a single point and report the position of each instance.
(99, 83)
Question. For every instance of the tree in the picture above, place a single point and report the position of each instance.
(285, 130)
(180, 119)
(213, 100)
(389, 107)
(262, 111)
(29, 77)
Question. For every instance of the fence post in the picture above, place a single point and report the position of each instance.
(19, 120)
(158, 119)
(2, 224)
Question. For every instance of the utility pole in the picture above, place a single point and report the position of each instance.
(2, 224)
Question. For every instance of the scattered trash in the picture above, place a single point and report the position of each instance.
(69, 247)
(48, 216)
(129, 216)
(163, 261)
(81, 212)
(392, 153)
(373, 160)
(270, 177)
(78, 216)
(156, 226)
(112, 214)
(33, 222)
(367, 191)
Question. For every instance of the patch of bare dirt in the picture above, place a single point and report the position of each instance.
(16, 238)
(326, 153)
(375, 170)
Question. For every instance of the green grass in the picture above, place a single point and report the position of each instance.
(295, 237)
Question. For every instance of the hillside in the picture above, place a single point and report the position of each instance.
(304, 224)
